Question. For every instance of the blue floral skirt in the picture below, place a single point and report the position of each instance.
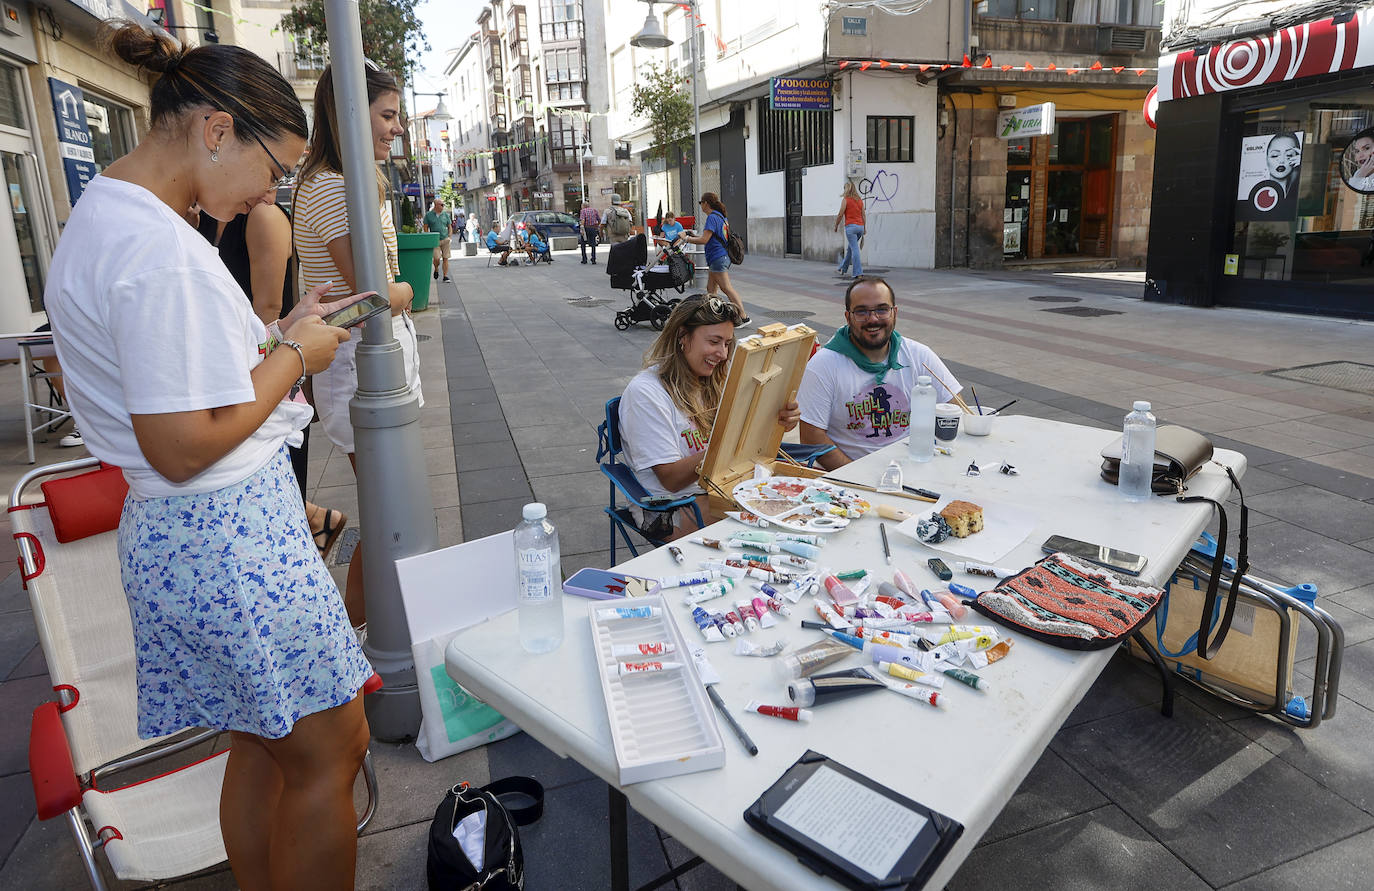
(237, 622)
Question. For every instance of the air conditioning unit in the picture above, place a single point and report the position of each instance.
(1113, 39)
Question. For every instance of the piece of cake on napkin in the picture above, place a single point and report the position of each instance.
(964, 518)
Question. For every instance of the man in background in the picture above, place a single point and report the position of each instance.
(616, 222)
(441, 221)
(588, 223)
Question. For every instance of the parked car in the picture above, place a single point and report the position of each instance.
(548, 223)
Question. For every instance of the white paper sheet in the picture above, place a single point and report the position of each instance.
(1004, 527)
(866, 828)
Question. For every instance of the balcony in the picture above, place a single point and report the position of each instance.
(302, 64)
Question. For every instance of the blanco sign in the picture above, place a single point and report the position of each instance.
(1033, 120)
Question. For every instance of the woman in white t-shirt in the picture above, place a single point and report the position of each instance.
(237, 624)
(320, 226)
(667, 410)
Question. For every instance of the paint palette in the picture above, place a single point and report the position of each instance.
(662, 723)
(801, 505)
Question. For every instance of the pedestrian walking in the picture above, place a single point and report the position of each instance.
(851, 216)
(616, 222)
(713, 234)
(439, 220)
(589, 226)
(320, 226)
(237, 624)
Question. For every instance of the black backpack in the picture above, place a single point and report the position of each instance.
(503, 867)
(734, 245)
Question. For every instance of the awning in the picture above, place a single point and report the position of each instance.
(1320, 47)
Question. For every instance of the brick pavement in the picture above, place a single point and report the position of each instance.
(1122, 798)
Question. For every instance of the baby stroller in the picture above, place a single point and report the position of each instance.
(629, 270)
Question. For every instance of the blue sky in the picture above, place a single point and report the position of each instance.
(447, 24)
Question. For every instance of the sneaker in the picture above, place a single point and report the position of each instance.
(436, 273)
(593, 261)
(71, 440)
(745, 320)
(584, 261)
(447, 279)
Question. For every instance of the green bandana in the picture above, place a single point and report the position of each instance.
(841, 344)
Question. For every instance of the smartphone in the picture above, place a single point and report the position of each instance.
(602, 584)
(358, 312)
(1121, 561)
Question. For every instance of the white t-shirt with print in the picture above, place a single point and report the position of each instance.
(147, 320)
(653, 431)
(857, 413)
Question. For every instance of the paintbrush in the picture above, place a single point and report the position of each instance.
(864, 488)
(998, 411)
(953, 395)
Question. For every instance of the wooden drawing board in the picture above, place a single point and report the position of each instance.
(764, 374)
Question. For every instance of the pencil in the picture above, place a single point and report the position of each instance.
(730, 719)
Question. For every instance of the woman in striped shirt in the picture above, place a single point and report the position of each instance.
(320, 228)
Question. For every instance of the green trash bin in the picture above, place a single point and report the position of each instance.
(416, 258)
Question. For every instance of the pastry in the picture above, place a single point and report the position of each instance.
(964, 518)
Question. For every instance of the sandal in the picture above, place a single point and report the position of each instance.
(330, 530)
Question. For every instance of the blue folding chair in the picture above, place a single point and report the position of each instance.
(623, 480)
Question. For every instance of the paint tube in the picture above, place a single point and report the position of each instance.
(792, 562)
(714, 544)
(873, 635)
(765, 615)
(628, 612)
(640, 650)
(851, 575)
(745, 610)
(804, 538)
(963, 591)
(676, 553)
(892, 592)
(828, 615)
(917, 692)
(839, 592)
(887, 600)
(819, 689)
(719, 568)
(724, 625)
(779, 607)
(904, 583)
(735, 622)
(747, 518)
(967, 677)
(709, 591)
(913, 659)
(801, 549)
(906, 673)
(956, 609)
(972, 568)
(986, 657)
(786, 712)
(810, 659)
(628, 669)
(930, 601)
(983, 636)
(749, 535)
(846, 638)
(763, 547)
(860, 587)
(748, 648)
(691, 578)
(707, 627)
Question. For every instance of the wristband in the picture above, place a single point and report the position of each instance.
(300, 351)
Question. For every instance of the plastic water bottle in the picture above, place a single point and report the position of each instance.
(921, 443)
(539, 581)
(1137, 453)
(891, 480)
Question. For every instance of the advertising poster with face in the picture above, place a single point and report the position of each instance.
(1268, 184)
(1357, 162)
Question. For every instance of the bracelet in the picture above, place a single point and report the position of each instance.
(300, 351)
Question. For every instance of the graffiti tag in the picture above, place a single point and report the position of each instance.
(880, 188)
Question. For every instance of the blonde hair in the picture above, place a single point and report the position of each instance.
(850, 191)
(696, 396)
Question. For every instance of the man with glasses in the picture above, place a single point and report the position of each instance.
(856, 393)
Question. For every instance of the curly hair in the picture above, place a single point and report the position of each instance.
(697, 396)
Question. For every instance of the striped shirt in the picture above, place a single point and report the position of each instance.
(320, 215)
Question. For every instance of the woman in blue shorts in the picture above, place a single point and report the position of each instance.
(713, 235)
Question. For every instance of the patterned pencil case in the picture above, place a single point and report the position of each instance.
(1070, 603)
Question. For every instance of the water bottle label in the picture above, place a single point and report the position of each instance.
(535, 574)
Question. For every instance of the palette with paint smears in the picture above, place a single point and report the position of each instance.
(802, 505)
(662, 724)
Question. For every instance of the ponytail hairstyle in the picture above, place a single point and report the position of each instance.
(712, 200)
(226, 78)
(324, 152)
(697, 397)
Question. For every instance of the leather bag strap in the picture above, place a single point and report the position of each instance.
(1207, 649)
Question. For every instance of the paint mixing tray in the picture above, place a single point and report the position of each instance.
(662, 723)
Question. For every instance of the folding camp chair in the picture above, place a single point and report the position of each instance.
(158, 828)
(623, 480)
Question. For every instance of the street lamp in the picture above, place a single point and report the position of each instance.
(651, 36)
(582, 159)
(440, 115)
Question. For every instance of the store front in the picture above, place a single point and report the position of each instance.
(1060, 191)
(1281, 215)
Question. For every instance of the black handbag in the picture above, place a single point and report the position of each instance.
(448, 868)
(1179, 454)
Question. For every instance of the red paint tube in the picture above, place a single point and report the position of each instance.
(786, 712)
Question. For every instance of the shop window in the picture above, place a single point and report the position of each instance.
(11, 99)
(889, 139)
(1304, 192)
(782, 132)
(111, 126)
(1059, 193)
(1144, 13)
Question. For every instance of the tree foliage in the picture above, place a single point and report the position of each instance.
(660, 98)
(391, 31)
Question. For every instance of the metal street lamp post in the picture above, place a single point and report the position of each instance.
(393, 491)
(651, 36)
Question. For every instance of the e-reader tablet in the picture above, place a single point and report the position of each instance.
(851, 828)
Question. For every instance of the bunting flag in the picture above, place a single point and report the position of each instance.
(987, 64)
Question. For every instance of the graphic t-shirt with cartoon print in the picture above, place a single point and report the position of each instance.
(653, 431)
(859, 414)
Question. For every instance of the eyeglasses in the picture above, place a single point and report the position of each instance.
(285, 171)
(881, 313)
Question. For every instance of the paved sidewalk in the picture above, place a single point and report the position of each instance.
(1123, 798)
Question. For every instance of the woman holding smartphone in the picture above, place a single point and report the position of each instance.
(320, 226)
(237, 623)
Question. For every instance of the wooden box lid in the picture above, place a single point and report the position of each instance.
(764, 376)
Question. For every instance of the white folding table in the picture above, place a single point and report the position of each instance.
(25, 348)
(965, 761)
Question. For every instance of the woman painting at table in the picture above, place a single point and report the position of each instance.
(667, 410)
(320, 227)
(237, 624)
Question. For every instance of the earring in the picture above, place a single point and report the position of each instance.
(214, 156)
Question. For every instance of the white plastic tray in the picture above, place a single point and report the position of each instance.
(662, 724)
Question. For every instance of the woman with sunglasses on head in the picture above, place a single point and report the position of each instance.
(320, 227)
(713, 234)
(237, 624)
(668, 409)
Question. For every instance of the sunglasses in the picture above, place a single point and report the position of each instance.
(722, 309)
